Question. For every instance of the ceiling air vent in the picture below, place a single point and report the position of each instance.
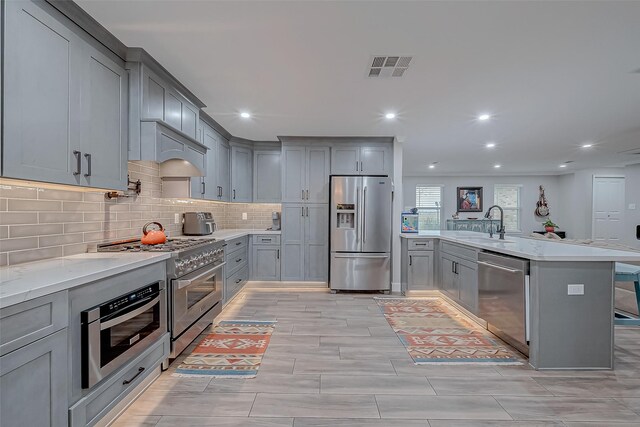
(389, 66)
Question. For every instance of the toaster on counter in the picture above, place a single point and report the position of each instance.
(198, 223)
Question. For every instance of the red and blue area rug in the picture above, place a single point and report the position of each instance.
(434, 332)
(233, 349)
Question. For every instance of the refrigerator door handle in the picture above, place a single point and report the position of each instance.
(364, 214)
(357, 216)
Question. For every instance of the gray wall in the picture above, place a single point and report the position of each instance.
(529, 195)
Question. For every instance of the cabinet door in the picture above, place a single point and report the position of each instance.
(173, 110)
(468, 284)
(292, 241)
(375, 160)
(448, 277)
(267, 176)
(316, 242)
(210, 139)
(420, 272)
(33, 380)
(104, 147)
(153, 95)
(293, 174)
(317, 175)
(189, 120)
(265, 262)
(224, 162)
(42, 95)
(241, 174)
(345, 160)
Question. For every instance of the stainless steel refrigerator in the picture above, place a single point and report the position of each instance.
(360, 233)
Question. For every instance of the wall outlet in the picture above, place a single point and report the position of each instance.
(244, 215)
(176, 218)
(632, 206)
(575, 289)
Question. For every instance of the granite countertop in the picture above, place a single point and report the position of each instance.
(31, 280)
(533, 249)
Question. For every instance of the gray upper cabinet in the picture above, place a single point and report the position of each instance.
(345, 160)
(206, 187)
(61, 89)
(224, 171)
(241, 174)
(305, 174)
(358, 159)
(267, 171)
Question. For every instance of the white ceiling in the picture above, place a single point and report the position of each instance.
(553, 74)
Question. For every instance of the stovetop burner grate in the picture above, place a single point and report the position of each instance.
(171, 245)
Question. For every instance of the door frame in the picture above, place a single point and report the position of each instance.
(593, 199)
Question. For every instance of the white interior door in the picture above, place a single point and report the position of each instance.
(608, 208)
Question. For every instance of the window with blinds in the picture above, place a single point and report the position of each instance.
(429, 204)
(508, 198)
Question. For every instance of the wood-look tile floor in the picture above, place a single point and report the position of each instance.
(334, 361)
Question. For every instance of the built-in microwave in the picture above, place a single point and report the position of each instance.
(120, 329)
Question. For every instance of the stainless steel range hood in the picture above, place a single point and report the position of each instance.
(176, 177)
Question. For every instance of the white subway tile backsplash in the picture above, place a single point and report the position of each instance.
(34, 230)
(38, 223)
(34, 205)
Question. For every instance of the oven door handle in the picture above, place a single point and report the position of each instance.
(130, 315)
(182, 283)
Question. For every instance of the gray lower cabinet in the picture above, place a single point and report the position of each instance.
(59, 88)
(236, 268)
(241, 174)
(267, 172)
(459, 274)
(420, 272)
(304, 242)
(33, 380)
(265, 262)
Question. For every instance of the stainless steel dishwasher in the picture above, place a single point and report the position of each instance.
(503, 285)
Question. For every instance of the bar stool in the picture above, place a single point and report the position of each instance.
(629, 273)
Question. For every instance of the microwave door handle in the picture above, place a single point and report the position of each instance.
(130, 315)
(182, 283)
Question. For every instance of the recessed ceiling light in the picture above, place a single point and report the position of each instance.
(432, 166)
(564, 165)
(587, 145)
(490, 145)
(245, 115)
(483, 117)
(497, 166)
(390, 116)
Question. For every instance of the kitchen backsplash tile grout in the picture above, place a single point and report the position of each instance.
(39, 221)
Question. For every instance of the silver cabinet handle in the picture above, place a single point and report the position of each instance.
(364, 215)
(361, 256)
(499, 267)
(234, 194)
(356, 166)
(278, 254)
(88, 157)
(302, 211)
(203, 186)
(307, 211)
(302, 195)
(420, 244)
(78, 162)
(307, 194)
(238, 259)
(410, 259)
(361, 167)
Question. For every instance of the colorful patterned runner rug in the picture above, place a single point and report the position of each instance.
(233, 349)
(434, 332)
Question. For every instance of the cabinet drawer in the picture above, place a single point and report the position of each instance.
(236, 260)
(236, 244)
(24, 323)
(234, 283)
(266, 239)
(95, 405)
(420, 245)
(459, 251)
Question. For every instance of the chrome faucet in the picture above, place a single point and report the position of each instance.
(501, 228)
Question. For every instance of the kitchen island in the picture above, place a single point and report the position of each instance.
(567, 309)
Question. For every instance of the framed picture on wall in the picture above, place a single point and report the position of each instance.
(469, 199)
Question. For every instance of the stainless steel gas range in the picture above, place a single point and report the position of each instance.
(195, 281)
